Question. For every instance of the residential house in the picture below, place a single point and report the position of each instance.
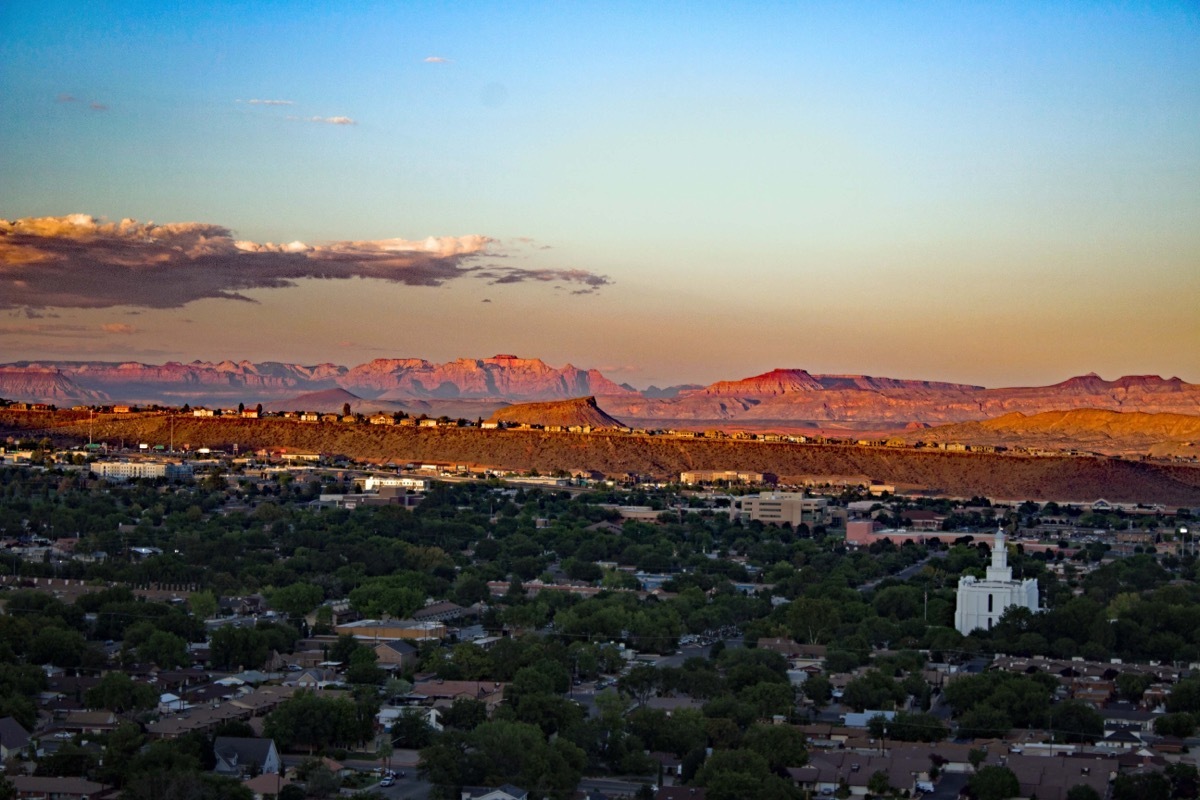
(243, 756)
(505, 792)
(398, 655)
(13, 738)
(266, 785)
(490, 693)
(90, 722)
(36, 787)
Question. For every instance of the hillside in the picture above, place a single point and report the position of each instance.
(45, 385)
(566, 413)
(1095, 430)
(957, 474)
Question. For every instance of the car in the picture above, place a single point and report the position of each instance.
(388, 782)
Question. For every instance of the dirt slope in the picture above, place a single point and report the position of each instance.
(957, 474)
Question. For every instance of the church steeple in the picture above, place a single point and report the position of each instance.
(999, 570)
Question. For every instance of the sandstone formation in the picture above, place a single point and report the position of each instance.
(581, 411)
(782, 398)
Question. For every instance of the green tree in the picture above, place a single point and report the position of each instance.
(1180, 724)
(818, 689)
(739, 774)
(782, 746)
(994, 783)
(165, 650)
(878, 784)
(297, 599)
(1081, 791)
(1141, 786)
(1132, 685)
(1075, 721)
(203, 604)
(119, 693)
(411, 730)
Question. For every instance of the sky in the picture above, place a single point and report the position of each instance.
(1003, 194)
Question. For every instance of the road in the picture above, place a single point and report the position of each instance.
(905, 573)
(614, 787)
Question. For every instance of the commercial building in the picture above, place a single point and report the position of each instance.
(779, 508)
(121, 471)
(729, 476)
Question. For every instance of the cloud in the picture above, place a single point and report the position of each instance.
(97, 107)
(326, 120)
(67, 98)
(589, 282)
(257, 102)
(77, 261)
(118, 327)
(436, 60)
(45, 330)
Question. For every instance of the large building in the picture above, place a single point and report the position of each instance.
(729, 476)
(120, 471)
(981, 603)
(791, 508)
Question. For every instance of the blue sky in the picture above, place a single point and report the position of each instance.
(994, 193)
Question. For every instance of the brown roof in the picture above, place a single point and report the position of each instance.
(63, 788)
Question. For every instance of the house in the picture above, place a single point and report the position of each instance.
(439, 612)
(505, 792)
(266, 785)
(90, 721)
(679, 793)
(240, 755)
(397, 654)
(13, 738)
(490, 693)
(33, 787)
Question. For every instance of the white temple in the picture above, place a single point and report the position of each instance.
(981, 603)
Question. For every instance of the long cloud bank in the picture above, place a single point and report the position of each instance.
(77, 261)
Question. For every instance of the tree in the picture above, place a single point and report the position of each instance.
(166, 650)
(738, 774)
(1185, 780)
(178, 783)
(1075, 721)
(878, 783)
(1081, 791)
(411, 730)
(1132, 685)
(782, 746)
(203, 604)
(818, 689)
(1180, 724)
(907, 727)
(994, 783)
(639, 682)
(296, 600)
(119, 693)
(1141, 786)
(345, 409)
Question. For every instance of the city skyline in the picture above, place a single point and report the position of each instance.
(676, 194)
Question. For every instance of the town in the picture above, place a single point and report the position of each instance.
(347, 417)
(289, 625)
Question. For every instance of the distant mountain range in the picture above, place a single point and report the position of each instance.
(788, 397)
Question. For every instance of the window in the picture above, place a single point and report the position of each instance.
(989, 603)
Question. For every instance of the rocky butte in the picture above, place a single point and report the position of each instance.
(786, 398)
